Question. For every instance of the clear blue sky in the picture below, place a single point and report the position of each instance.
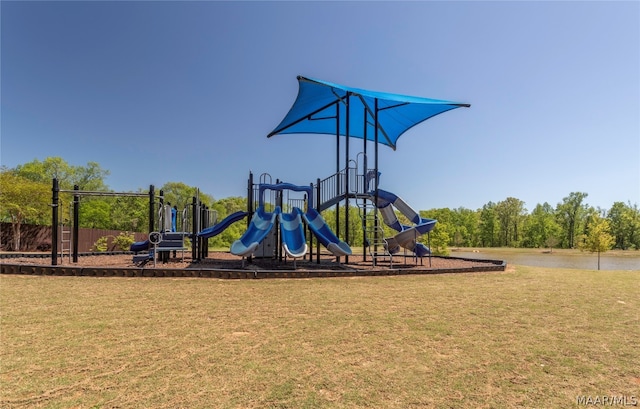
(160, 92)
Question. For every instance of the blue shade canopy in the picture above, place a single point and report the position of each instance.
(321, 108)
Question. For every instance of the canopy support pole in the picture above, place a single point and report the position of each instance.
(364, 187)
(338, 169)
(346, 176)
(375, 198)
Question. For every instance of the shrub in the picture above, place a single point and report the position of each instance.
(101, 244)
(123, 241)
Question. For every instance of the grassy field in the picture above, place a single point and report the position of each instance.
(526, 338)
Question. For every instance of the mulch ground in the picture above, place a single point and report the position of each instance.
(228, 261)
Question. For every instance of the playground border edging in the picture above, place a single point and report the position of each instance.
(35, 269)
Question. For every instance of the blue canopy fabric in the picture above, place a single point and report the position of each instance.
(321, 108)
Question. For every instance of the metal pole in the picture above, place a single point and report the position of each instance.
(375, 186)
(429, 243)
(338, 168)
(205, 242)
(250, 206)
(364, 188)
(307, 229)
(318, 209)
(346, 175)
(161, 218)
(76, 223)
(55, 189)
(152, 205)
(202, 242)
(175, 253)
(194, 229)
(279, 202)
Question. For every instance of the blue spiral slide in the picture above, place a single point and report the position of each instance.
(407, 236)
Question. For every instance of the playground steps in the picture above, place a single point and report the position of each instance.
(170, 242)
(374, 233)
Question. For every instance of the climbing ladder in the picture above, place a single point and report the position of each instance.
(65, 235)
(374, 232)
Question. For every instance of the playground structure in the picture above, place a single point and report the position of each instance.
(168, 227)
(322, 107)
(283, 220)
(69, 239)
(275, 227)
(198, 226)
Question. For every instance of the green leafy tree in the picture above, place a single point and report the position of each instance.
(129, 213)
(95, 213)
(44, 171)
(228, 236)
(356, 231)
(223, 208)
(466, 230)
(93, 210)
(624, 221)
(438, 241)
(22, 201)
(441, 235)
(633, 230)
(489, 226)
(229, 205)
(90, 177)
(181, 195)
(510, 214)
(542, 230)
(571, 217)
(597, 238)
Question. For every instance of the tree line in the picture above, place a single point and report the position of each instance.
(25, 198)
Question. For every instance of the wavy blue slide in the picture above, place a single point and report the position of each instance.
(220, 227)
(292, 232)
(261, 224)
(324, 234)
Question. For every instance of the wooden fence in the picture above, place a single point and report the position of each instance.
(38, 238)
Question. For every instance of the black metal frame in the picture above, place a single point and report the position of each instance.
(55, 203)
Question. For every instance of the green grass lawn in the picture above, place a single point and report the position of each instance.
(527, 337)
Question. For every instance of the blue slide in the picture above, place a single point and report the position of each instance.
(292, 232)
(408, 235)
(220, 227)
(324, 234)
(139, 246)
(206, 233)
(261, 224)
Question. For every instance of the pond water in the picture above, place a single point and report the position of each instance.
(586, 261)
